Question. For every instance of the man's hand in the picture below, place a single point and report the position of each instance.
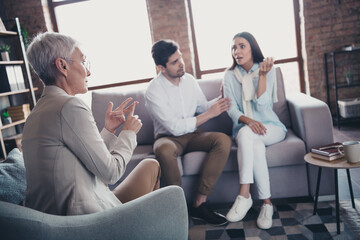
(114, 118)
(219, 107)
(133, 123)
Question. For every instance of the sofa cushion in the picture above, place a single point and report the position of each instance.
(221, 123)
(12, 178)
(289, 152)
(192, 162)
(211, 89)
(101, 98)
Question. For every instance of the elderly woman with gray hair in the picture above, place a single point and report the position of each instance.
(68, 162)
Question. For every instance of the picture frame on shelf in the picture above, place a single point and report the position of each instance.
(2, 26)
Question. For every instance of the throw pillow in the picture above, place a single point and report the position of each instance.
(12, 178)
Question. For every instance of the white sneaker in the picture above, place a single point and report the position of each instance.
(239, 209)
(264, 220)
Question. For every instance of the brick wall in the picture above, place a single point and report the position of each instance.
(169, 19)
(329, 26)
(29, 12)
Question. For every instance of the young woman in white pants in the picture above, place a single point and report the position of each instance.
(250, 83)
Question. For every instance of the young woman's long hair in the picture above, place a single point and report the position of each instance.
(255, 49)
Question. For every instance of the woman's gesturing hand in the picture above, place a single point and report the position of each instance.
(114, 118)
(265, 66)
(132, 122)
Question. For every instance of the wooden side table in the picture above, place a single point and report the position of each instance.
(340, 163)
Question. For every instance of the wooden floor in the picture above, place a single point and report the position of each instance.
(348, 132)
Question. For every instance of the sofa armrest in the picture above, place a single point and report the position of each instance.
(161, 214)
(311, 120)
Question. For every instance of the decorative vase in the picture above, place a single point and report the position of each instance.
(5, 56)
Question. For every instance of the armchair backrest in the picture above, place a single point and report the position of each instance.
(281, 107)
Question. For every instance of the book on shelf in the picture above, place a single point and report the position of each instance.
(11, 77)
(2, 26)
(22, 107)
(327, 150)
(18, 113)
(19, 78)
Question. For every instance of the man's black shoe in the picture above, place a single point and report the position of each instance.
(204, 213)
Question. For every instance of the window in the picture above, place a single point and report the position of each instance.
(115, 36)
(271, 23)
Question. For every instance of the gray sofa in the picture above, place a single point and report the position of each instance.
(309, 125)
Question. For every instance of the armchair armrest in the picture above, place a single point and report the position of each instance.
(161, 214)
(311, 120)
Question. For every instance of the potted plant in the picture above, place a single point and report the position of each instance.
(4, 50)
(6, 119)
(349, 76)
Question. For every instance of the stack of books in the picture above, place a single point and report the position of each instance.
(18, 113)
(329, 152)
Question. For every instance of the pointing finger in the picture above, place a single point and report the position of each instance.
(110, 107)
(124, 103)
(127, 109)
(132, 108)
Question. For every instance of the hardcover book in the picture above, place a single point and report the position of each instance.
(328, 150)
(327, 158)
(7, 79)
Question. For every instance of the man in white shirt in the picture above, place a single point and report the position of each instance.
(173, 99)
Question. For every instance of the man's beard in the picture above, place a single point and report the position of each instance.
(177, 75)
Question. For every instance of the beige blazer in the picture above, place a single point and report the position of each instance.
(68, 162)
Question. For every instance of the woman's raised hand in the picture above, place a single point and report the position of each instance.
(133, 122)
(114, 118)
(266, 65)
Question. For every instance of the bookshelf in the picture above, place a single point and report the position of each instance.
(11, 62)
(22, 92)
(335, 82)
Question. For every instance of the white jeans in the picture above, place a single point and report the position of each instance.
(251, 156)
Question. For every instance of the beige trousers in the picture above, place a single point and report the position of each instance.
(143, 179)
(168, 148)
